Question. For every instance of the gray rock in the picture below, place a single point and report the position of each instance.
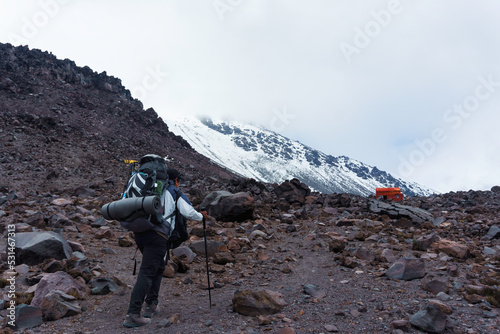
(489, 251)
(103, 286)
(214, 198)
(388, 255)
(424, 243)
(98, 223)
(199, 247)
(365, 254)
(443, 296)
(396, 211)
(184, 253)
(407, 269)
(438, 221)
(34, 247)
(313, 291)
(436, 283)
(59, 220)
(235, 207)
(331, 328)
(431, 319)
(493, 233)
(26, 316)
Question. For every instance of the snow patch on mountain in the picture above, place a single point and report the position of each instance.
(255, 152)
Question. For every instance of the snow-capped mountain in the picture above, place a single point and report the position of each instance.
(266, 156)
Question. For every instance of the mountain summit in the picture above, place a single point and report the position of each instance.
(266, 156)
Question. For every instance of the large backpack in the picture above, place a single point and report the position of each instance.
(179, 234)
(151, 178)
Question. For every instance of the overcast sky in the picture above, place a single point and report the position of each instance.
(412, 87)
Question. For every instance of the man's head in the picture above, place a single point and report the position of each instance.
(174, 175)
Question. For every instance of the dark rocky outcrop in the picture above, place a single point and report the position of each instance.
(396, 211)
(293, 191)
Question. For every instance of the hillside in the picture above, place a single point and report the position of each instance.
(63, 125)
(318, 263)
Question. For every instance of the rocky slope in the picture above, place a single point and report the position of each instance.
(64, 126)
(266, 156)
(318, 263)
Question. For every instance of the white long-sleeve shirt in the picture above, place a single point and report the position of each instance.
(183, 206)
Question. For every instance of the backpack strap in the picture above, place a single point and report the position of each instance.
(173, 214)
(150, 182)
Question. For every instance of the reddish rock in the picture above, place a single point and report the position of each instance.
(252, 303)
(451, 248)
(59, 281)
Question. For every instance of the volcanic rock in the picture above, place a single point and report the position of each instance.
(56, 304)
(34, 247)
(431, 319)
(59, 281)
(407, 269)
(293, 192)
(232, 207)
(252, 303)
(103, 286)
(436, 283)
(27, 316)
(451, 248)
(396, 211)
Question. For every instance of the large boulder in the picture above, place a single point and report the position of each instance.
(214, 198)
(225, 206)
(34, 247)
(59, 281)
(293, 192)
(407, 269)
(57, 304)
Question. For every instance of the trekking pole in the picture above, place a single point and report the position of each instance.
(206, 258)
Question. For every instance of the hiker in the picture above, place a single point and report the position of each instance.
(183, 204)
(153, 245)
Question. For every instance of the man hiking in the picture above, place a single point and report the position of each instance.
(153, 245)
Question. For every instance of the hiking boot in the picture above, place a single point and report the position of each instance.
(150, 310)
(135, 320)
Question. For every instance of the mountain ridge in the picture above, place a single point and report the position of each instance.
(253, 151)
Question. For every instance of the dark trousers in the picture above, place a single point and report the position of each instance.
(153, 248)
